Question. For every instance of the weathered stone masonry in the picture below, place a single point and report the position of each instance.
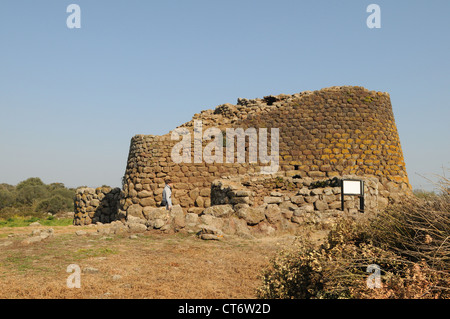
(96, 205)
(331, 133)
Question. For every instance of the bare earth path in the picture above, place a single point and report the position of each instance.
(150, 266)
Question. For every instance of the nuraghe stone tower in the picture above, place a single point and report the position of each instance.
(324, 136)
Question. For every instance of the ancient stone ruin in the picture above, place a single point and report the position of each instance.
(325, 137)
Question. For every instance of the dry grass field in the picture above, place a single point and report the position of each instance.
(153, 265)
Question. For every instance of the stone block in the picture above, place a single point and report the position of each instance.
(335, 205)
(303, 191)
(287, 213)
(298, 199)
(152, 213)
(316, 174)
(297, 219)
(158, 223)
(195, 210)
(329, 198)
(272, 200)
(252, 215)
(287, 204)
(135, 210)
(199, 201)
(205, 192)
(311, 199)
(147, 201)
(243, 193)
(321, 205)
(349, 204)
(273, 213)
(193, 194)
(144, 193)
(276, 194)
(192, 218)
(240, 200)
(178, 217)
(210, 220)
(308, 207)
(219, 210)
(137, 227)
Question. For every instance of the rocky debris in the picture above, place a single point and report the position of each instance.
(157, 218)
(208, 232)
(38, 235)
(34, 224)
(137, 228)
(235, 226)
(90, 270)
(178, 218)
(116, 227)
(116, 277)
(6, 243)
(64, 215)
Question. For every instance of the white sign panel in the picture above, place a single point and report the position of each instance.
(352, 187)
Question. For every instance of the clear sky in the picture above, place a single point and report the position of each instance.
(71, 99)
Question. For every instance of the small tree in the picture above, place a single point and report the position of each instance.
(32, 181)
(6, 198)
(54, 205)
(28, 194)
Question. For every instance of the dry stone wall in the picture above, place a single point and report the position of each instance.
(292, 206)
(94, 205)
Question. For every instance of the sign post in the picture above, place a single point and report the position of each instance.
(353, 187)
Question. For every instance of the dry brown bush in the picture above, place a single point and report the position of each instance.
(408, 241)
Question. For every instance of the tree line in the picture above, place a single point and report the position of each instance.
(32, 196)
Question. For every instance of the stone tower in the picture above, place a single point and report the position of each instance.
(324, 135)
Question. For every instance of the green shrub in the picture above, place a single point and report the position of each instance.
(32, 219)
(54, 205)
(29, 194)
(32, 197)
(32, 181)
(6, 198)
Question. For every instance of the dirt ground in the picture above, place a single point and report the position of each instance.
(153, 265)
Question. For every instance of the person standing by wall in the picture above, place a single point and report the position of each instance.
(167, 195)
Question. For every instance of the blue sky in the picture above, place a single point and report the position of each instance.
(71, 99)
